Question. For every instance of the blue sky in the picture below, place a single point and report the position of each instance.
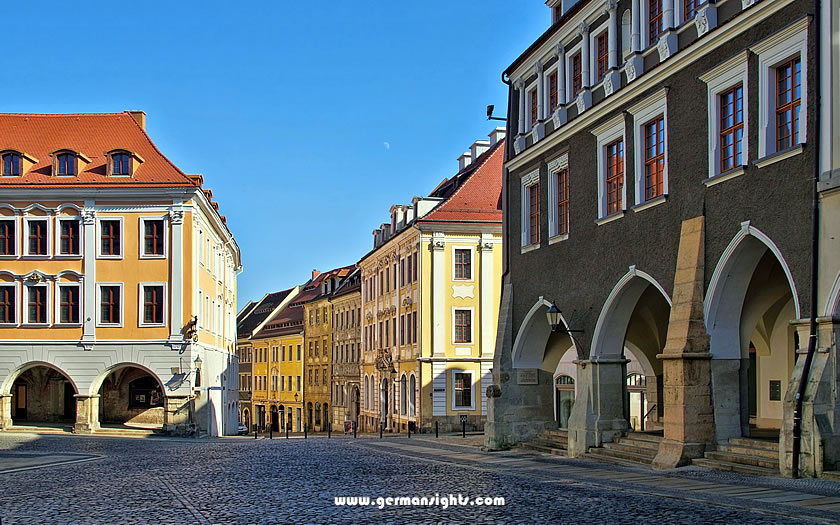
(308, 120)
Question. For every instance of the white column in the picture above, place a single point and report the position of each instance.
(561, 73)
(485, 292)
(636, 27)
(438, 295)
(176, 254)
(667, 14)
(541, 113)
(612, 33)
(520, 87)
(89, 225)
(585, 68)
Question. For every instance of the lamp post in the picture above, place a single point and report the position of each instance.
(197, 362)
(555, 321)
(402, 381)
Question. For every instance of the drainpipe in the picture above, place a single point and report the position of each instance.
(815, 205)
(508, 146)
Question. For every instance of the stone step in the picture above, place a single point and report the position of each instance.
(555, 434)
(552, 438)
(643, 436)
(734, 467)
(755, 443)
(833, 475)
(639, 443)
(743, 459)
(749, 451)
(606, 456)
(543, 448)
(633, 449)
(550, 443)
(625, 455)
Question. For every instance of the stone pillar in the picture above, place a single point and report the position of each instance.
(89, 280)
(178, 414)
(5, 411)
(87, 414)
(540, 90)
(585, 66)
(520, 88)
(176, 219)
(689, 418)
(636, 27)
(438, 295)
(598, 415)
(612, 33)
(667, 14)
(487, 322)
(560, 115)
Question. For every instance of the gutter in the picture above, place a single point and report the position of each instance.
(815, 217)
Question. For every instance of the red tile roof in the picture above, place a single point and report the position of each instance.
(91, 134)
(479, 197)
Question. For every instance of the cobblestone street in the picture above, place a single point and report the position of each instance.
(157, 480)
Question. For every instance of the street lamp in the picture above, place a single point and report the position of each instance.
(554, 317)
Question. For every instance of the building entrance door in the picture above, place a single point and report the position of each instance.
(19, 401)
(636, 387)
(564, 399)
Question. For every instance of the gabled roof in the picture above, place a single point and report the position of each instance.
(249, 320)
(353, 283)
(90, 134)
(475, 195)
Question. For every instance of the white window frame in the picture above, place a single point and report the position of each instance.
(555, 166)
(57, 240)
(718, 80)
(200, 247)
(471, 309)
(548, 111)
(25, 240)
(141, 299)
(533, 86)
(593, 52)
(99, 254)
(644, 13)
(772, 51)
(99, 322)
(17, 311)
(527, 181)
(25, 304)
(142, 237)
(570, 53)
(471, 277)
(471, 373)
(644, 112)
(57, 305)
(606, 134)
(17, 251)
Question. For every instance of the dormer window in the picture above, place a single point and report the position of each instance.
(66, 164)
(122, 163)
(11, 164)
(119, 164)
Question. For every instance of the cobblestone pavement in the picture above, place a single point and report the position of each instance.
(242, 480)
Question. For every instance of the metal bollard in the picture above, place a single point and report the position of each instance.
(380, 430)
(329, 430)
(304, 431)
(271, 432)
(287, 431)
(436, 429)
(463, 429)
(355, 429)
(408, 428)
(255, 432)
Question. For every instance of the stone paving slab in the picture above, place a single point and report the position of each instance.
(15, 461)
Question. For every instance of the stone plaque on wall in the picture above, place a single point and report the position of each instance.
(527, 376)
(775, 390)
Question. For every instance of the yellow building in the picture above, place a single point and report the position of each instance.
(346, 303)
(430, 295)
(318, 313)
(117, 281)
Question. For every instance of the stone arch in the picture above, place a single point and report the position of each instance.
(128, 393)
(611, 328)
(6, 386)
(832, 305)
(96, 384)
(529, 347)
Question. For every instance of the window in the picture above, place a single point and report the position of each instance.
(120, 164)
(654, 157)
(553, 96)
(402, 329)
(66, 164)
(7, 237)
(110, 242)
(562, 202)
(558, 198)
(110, 306)
(298, 353)
(462, 390)
(731, 128)
(11, 164)
(297, 383)
(68, 305)
(463, 263)
(8, 310)
(154, 236)
(68, 242)
(782, 66)
(414, 327)
(655, 27)
(154, 300)
(615, 177)
(603, 49)
(37, 304)
(577, 80)
(689, 9)
(788, 102)
(37, 236)
(463, 326)
(534, 214)
(534, 107)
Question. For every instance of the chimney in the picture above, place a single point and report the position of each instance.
(497, 135)
(464, 160)
(479, 147)
(315, 274)
(140, 117)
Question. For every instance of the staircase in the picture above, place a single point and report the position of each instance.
(633, 450)
(549, 442)
(750, 456)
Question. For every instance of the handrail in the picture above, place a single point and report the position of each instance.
(648, 412)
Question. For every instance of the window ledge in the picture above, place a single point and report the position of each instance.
(651, 203)
(530, 248)
(152, 325)
(68, 325)
(69, 256)
(112, 257)
(558, 238)
(144, 256)
(31, 256)
(108, 325)
(463, 408)
(609, 218)
(36, 325)
(725, 176)
(9, 256)
(9, 325)
(778, 156)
